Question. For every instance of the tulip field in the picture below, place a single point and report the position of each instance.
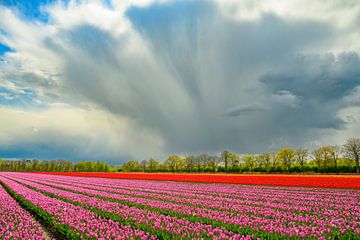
(44, 206)
(312, 180)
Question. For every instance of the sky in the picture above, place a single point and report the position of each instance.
(134, 79)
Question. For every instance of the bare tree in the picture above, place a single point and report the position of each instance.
(225, 158)
(212, 162)
(317, 156)
(352, 151)
(301, 155)
(335, 152)
(201, 161)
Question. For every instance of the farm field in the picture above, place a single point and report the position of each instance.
(68, 207)
(324, 181)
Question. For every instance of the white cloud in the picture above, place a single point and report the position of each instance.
(343, 15)
(340, 13)
(11, 87)
(91, 132)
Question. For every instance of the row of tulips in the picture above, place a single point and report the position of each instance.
(15, 222)
(163, 226)
(291, 201)
(309, 196)
(323, 181)
(70, 221)
(320, 223)
(234, 216)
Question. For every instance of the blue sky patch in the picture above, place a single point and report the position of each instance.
(4, 49)
(29, 9)
(10, 98)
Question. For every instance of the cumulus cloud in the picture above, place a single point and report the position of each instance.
(140, 79)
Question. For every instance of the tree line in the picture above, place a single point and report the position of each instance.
(26, 165)
(325, 159)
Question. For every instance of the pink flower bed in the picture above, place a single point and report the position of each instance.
(85, 223)
(15, 222)
(214, 211)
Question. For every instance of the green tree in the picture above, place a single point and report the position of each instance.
(131, 166)
(190, 163)
(249, 161)
(286, 156)
(260, 161)
(266, 160)
(173, 163)
(326, 155)
(153, 165)
(143, 165)
(274, 160)
(234, 160)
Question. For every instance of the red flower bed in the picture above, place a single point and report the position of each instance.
(324, 181)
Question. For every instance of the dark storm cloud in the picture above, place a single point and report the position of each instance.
(325, 78)
(195, 41)
(205, 65)
(219, 61)
(239, 110)
(94, 42)
(320, 83)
